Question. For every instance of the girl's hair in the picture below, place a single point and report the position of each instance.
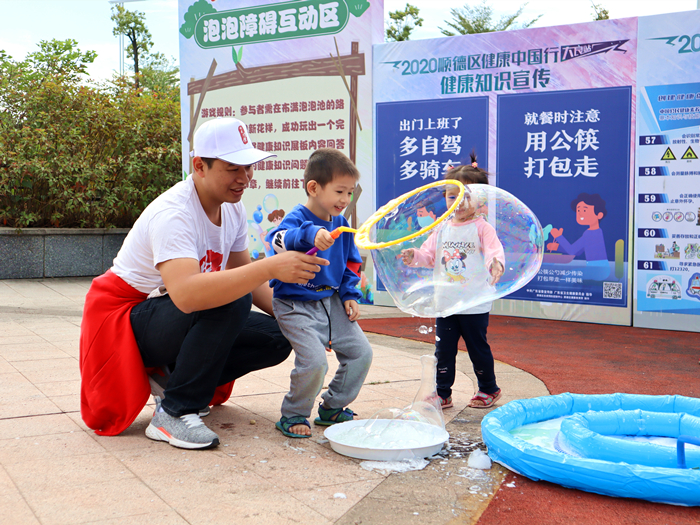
(468, 173)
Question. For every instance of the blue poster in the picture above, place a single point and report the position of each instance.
(667, 184)
(418, 140)
(566, 155)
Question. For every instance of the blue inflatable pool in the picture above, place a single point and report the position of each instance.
(584, 456)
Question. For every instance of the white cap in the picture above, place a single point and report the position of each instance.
(227, 138)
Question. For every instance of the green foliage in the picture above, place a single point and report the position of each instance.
(60, 58)
(194, 13)
(599, 12)
(400, 28)
(478, 19)
(131, 24)
(78, 154)
(160, 76)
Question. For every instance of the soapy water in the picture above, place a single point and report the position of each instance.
(478, 459)
(546, 434)
(386, 467)
(394, 434)
(415, 431)
(451, 286)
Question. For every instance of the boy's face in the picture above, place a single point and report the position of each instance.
(333, 198)
(423, 212)
(225, 182)
(585, 214)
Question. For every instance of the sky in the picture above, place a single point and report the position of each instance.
(88, 21)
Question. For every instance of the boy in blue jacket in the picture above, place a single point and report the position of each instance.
(325, 309)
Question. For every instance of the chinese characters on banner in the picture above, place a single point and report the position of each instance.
(299, 75)
(417, 141)
(566, 154)
(271, 22)
(667, 213)
(556, 110)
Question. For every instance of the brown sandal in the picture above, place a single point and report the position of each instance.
(485, 400)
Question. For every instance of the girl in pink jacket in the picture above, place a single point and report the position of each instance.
(467, 258)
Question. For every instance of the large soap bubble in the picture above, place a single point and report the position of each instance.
(458, 278)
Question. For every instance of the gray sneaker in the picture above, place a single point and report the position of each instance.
(187, 431)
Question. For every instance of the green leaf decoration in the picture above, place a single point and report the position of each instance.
(358, 7)
(236, 55)
(194, 13)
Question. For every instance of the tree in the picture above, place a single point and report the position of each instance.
(600, 12)
(399, 29)
(470, 20)
(74, 152)
(160, 76)
(58, 61)
(131, 24)
(60, 58)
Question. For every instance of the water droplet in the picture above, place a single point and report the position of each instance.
(437, 338)
(423, 329)
(430, 329)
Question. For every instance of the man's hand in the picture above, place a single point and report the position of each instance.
(352, 309)
(323, 239)
(407, 256)
(496, 271)
(294, 267)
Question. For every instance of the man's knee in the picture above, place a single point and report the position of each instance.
(240, 306)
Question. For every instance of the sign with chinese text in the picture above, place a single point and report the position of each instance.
(569, 159)
(548, 112)
(267, 23)
(299, 75)
(667, 200)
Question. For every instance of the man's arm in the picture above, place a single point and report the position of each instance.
(262, 295)
(193, 291)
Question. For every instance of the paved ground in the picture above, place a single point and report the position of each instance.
(54, 470)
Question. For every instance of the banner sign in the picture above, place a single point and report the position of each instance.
(667, 218)
(569, 153)
(283, 21)
(548, 112)
(299, 75)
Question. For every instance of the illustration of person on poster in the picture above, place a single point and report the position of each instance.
(590, 210)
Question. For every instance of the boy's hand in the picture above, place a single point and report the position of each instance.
(552, 246)
(496, 271)
(407, 256)
(352, 309)
(294, 267)
(323, 239)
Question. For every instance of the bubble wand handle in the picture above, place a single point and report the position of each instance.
(335, 234)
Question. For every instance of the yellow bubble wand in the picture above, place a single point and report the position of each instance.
(362, 239)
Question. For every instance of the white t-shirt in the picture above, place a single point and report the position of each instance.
(461, 255)
(174, 226)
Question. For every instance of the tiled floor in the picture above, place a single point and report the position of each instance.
(54, 470)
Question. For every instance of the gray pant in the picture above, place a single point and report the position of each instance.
(307, 326)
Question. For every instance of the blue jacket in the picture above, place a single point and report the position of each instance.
(297, 232)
